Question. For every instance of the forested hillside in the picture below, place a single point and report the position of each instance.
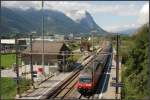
(135, 73)
(27, 21)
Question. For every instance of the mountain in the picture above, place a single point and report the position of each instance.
(129, 31)
(85, 19)
(26, 21)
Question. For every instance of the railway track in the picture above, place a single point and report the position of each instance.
(66, 86)
(64, 89)
(96, 94)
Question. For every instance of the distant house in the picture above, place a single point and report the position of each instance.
(85, 46)
(8, 45)
(59, 37)
(77, 38)
(53, 58)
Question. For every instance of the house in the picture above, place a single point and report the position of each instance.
(53, 59)
(85, 46)
(8, 45)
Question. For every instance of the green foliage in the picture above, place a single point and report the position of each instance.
(135, 58)
(8, 90)
(74, 58)
(8, 60)
(74, 46)
(8, 87)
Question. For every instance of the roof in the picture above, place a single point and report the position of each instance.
(49, 47)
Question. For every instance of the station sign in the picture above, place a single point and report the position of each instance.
(117, 84)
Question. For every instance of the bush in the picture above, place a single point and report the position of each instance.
(135, 76)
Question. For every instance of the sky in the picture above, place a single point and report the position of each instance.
(112, 16)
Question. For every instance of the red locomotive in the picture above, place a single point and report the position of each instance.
(90, 75)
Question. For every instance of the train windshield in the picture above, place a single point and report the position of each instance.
(85, 80)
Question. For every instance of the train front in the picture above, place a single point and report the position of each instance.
(84, 84)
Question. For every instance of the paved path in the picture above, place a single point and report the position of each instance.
(45, 87)
(8, 73)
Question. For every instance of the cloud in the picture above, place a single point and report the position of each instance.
(144, 14)
(68, 6)
(24, 5)
(116, 9)
(121, 27)
(143, 17)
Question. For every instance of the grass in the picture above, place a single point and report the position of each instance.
(8, 87)
(8, 60)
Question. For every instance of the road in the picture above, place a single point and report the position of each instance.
(8, 73)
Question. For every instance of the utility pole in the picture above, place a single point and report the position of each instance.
(92, 43)
(117, 62)
(17, 67)
(92, 33)
(63, 62)
(0, 50)
(31, 64)
(43, 36)
(0, 68)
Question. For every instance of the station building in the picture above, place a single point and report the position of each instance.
(55, 55)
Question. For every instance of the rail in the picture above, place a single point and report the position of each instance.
(65, 88)
(63, 84)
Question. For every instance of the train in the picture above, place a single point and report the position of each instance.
(90, 75)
